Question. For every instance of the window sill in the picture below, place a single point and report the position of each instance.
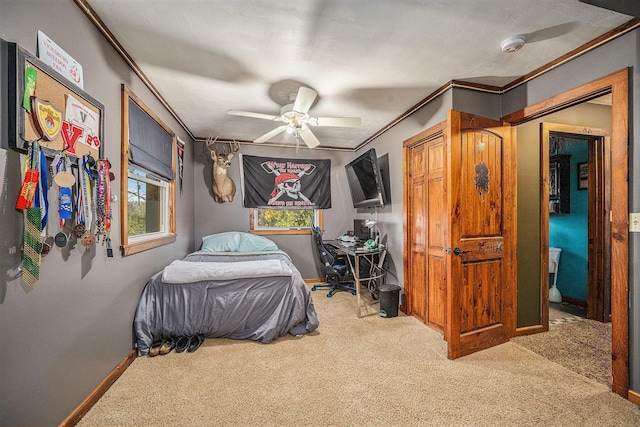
(284, 231)
(143, 245)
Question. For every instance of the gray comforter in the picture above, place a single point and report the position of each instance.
(257, 308)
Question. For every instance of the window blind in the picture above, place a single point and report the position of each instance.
(150, 145)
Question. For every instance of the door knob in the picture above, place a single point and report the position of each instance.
(459, 251)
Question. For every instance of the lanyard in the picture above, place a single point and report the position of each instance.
(104, 203)
(31, 177)
(85, 192)
(62, 165)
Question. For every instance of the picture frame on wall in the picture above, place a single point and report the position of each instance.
(583, 176)
(80, 116)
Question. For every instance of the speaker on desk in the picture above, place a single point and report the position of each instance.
(389, 300)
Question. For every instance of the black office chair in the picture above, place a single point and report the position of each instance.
(338, 277)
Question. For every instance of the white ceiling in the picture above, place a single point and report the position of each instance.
(372, 59)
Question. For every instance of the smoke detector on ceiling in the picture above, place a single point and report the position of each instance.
(512, 44)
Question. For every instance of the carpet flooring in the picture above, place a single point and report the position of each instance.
(580, 344)
(371, 371)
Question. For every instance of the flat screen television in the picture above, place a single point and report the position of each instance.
(365, 181)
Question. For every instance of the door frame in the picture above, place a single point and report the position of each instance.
(597, 226)
(617, 84)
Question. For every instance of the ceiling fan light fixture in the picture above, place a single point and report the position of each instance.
(512, 44)
(296, 119)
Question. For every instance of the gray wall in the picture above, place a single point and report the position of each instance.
(212, 217)
(391, 218)
(62, 337)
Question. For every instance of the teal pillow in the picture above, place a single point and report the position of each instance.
(221, 242)
(236, 241)
(253, 243)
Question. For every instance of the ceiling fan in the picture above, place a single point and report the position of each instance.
(297, 120)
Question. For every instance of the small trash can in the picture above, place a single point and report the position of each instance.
(389, 300)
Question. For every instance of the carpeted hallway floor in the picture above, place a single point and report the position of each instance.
(580, 344)
(356, 372)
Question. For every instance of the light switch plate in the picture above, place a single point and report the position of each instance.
(634, 222)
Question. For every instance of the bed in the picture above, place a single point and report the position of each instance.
(236, 286)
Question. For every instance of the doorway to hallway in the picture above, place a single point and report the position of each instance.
(615, 84)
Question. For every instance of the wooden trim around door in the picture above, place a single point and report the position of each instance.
(618, 85)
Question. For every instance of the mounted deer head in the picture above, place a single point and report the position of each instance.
(224, 189)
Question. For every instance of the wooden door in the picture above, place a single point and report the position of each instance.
(598, 235)
(425, 227)
(481, 273)
(436, 235)
(416, 231)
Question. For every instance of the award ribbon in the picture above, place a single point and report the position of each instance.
(35, 203)
(41, 198)
(88, 174)
(85, 190)
(30, 76)
(32, 246)
(104, 203)
(31, 177)
(78, 229)
(65, 181)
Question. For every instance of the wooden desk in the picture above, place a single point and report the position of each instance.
(355, 255)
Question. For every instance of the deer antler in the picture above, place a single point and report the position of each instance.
(223, 147)
(210, 141)
(234, 147)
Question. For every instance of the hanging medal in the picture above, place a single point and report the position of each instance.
(110, 176)
(78, 229)
(60, 239)
(65, 180)
(103, 191)
(88, 240)
(46, 246)
(41, 200)
(87, 174)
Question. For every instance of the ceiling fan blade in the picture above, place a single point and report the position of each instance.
(304, 99)
(254, 115)
(309, 138)
(270, 135)
(350, 122)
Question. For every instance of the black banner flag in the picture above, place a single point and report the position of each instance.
(277, 183)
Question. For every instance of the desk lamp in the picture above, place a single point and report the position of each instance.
(374, 233)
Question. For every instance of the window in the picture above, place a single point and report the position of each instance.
(284, 221)
(148, 168)
(146, 204)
